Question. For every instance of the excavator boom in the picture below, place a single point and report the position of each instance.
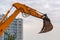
(4, 24)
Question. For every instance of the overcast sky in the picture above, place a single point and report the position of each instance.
(32, 25)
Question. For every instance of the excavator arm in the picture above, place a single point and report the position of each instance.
(4, 24)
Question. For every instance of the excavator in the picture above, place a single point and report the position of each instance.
(6, 21)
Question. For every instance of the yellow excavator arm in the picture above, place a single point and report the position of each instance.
(5, 22)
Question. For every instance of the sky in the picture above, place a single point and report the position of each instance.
(32, 25)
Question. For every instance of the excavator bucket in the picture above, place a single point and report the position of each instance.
(47, 25)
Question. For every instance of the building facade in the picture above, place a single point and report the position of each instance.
(14, 31)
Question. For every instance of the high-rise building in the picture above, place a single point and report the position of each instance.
(14, 31)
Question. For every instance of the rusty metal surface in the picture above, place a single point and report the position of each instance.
(47, 25)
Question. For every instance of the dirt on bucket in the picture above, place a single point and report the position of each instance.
(47, 25)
